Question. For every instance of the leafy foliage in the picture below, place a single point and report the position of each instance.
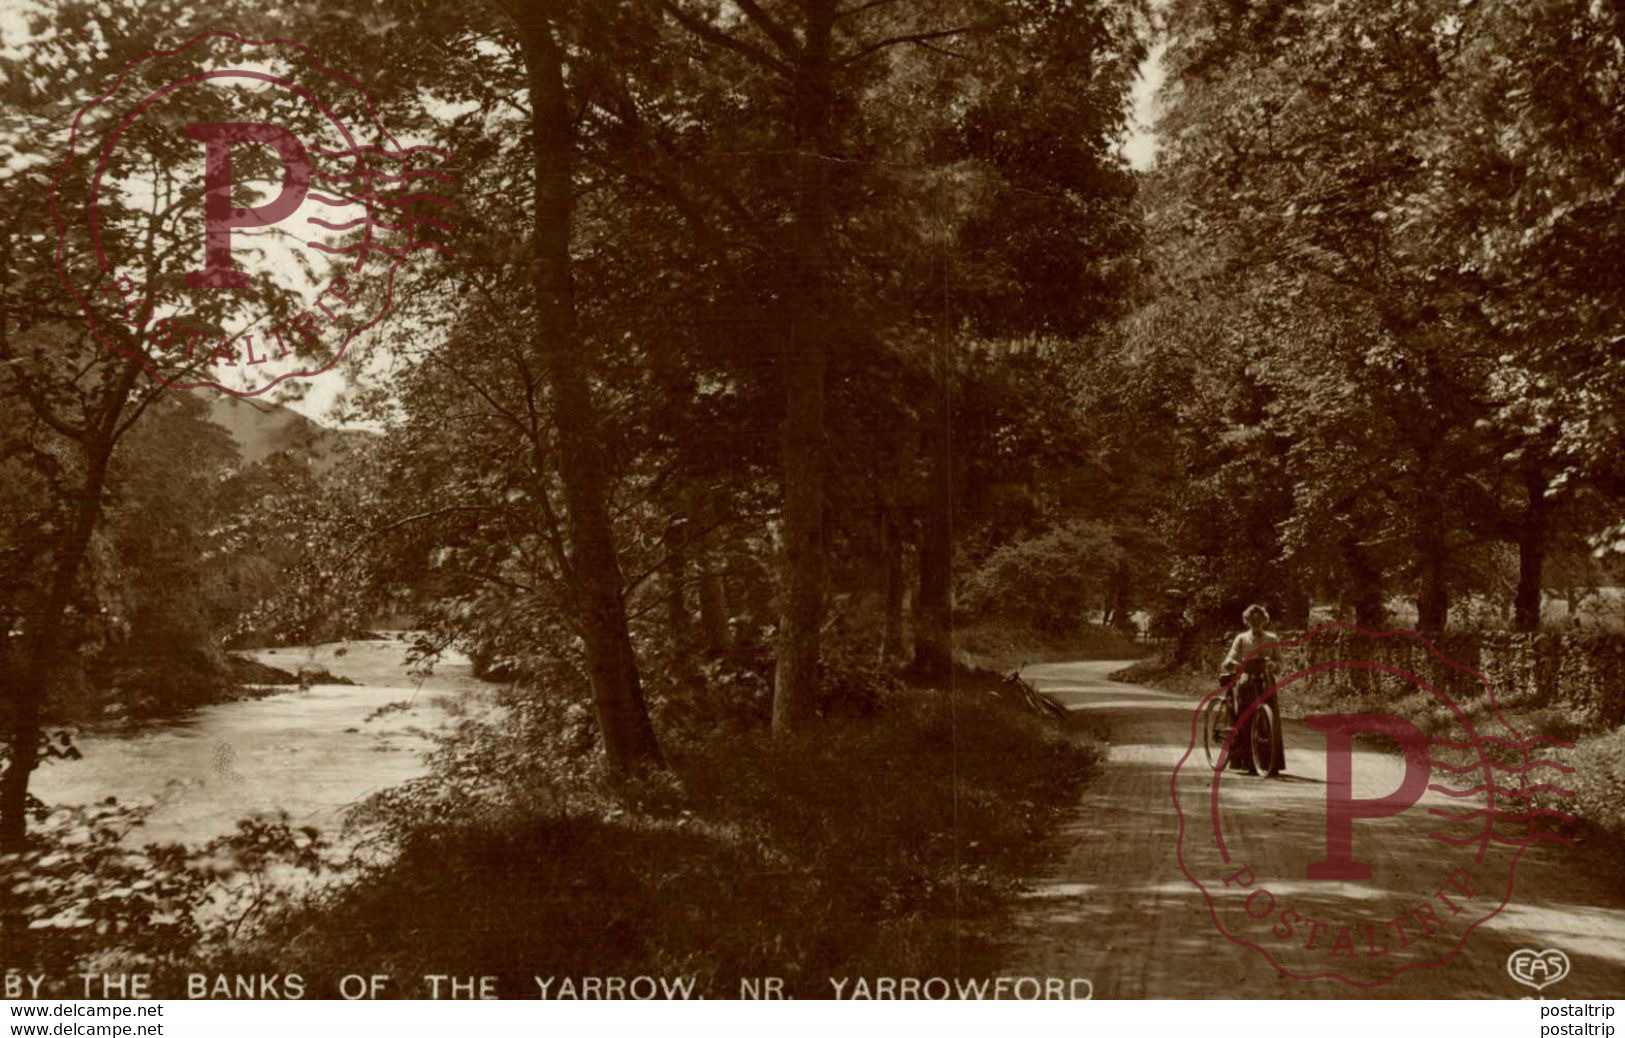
(81, 891)
(1051, 580)
(1354, 208)
(755, 854)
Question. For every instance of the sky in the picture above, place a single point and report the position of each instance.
(1141, 146)
(13, 23)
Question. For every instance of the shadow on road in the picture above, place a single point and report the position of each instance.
(1117, 907)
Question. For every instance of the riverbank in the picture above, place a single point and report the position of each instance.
(310, 750)
(153, 687)
(889, 845)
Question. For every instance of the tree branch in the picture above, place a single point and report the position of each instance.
(140, 408)
(711, 34)
(501, 411)
(920, 38)
(781, 37)
(434, 513)
(857, 9)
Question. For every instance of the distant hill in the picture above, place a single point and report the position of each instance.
(262, 429)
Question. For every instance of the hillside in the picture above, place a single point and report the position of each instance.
(262, 429)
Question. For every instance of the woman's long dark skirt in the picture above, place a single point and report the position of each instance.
(1241, 748)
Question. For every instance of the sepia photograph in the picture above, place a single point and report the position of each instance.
(932, 500)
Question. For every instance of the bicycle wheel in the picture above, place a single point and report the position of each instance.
(1266, 739)
(1214, 732)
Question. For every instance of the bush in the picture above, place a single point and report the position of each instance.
(732, 692)
(80, 892)
(1598, 783)
(1050, 581)
(170, 684)
(795, 857)
(1157, 672)
(1002, 646)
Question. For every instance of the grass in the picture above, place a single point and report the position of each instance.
(1598, 783)
(1156, 672)
(1002, 647)
(884, 845)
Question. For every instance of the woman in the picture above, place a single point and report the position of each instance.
(1252, 649)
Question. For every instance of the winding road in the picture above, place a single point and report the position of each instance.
(1120, 903)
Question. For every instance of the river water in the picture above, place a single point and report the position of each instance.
(312, 753)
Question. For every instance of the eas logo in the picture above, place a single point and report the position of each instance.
(1388, 845)
(232, 213)
(1538, 969)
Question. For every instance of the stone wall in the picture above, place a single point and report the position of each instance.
(1580, 675)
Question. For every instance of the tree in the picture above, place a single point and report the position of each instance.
(1393, 213)
(946, 184)
(80, 400)
(1524, 220)
(1292, 148)
(594, 568)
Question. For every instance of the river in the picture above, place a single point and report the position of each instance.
(312, 753)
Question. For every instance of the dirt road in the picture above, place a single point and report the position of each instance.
(1118, 909)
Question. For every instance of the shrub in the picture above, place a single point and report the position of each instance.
(1050, 581)
(794, 857)
(1598, 783)
(1001, 646)
(80, 890)
(731, 692)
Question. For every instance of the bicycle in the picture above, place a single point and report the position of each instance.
(1035, 699)
(1264, 732)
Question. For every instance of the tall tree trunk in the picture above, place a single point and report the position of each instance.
(26, 699)
(713, 601)
(22, 734)
(1438, 470)
(596, 580)
(894, 586)
(25, 704)
(1365, 591)
(934, 609)
(713, 604)
(1531, 551)
(1121, 612)
(710, 578)
(1433, 598)
(674, 580)
(1294, 607)
(806, 359)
